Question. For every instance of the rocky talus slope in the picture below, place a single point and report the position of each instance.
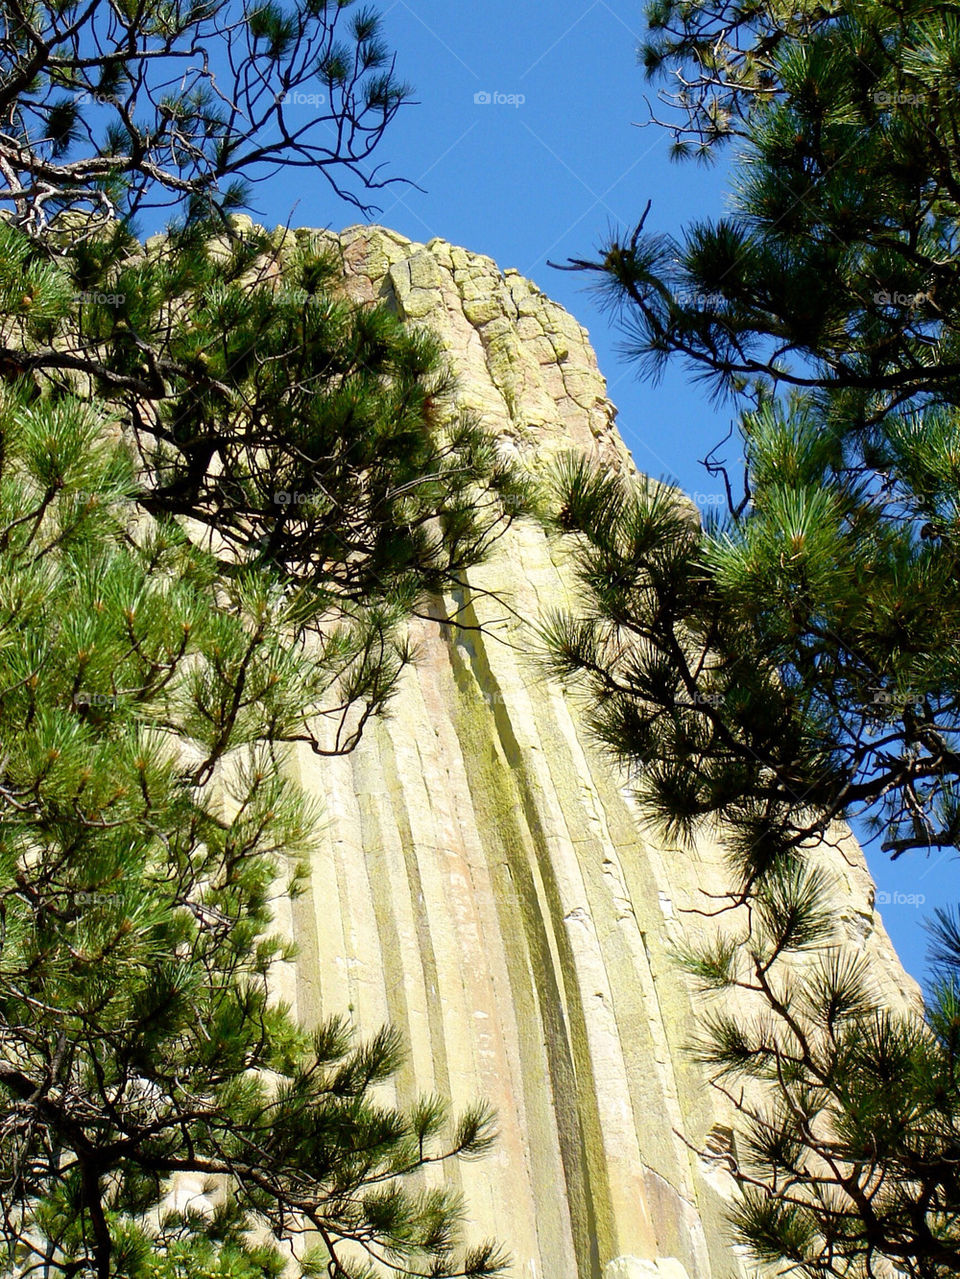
(484, 882)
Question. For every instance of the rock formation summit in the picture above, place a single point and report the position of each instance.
(485, 883)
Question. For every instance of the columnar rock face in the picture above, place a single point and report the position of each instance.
(485, 883)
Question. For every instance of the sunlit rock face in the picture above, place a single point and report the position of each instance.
(484, 882)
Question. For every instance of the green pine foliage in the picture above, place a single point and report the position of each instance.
(185, 106)
(146, 824)
(716, 63)
(224, 488)
(825, 629)
(848, 1116)
(772, 671)
(299, 433)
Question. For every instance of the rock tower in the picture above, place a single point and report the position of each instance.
(484, 881)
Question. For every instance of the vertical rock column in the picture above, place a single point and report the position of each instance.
(483, 882)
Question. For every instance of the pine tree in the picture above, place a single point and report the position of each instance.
(715, 63)
(223, 489)
(179, 104)
(294, 429)
(808, 644)
(146, 822)
(796, 662)
(848, 1135)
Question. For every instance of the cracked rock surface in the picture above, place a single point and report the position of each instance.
(483, 881)
(524, 363)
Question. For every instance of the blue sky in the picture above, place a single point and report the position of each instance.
(546, 178)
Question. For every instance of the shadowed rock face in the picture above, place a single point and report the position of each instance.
(484, 882)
